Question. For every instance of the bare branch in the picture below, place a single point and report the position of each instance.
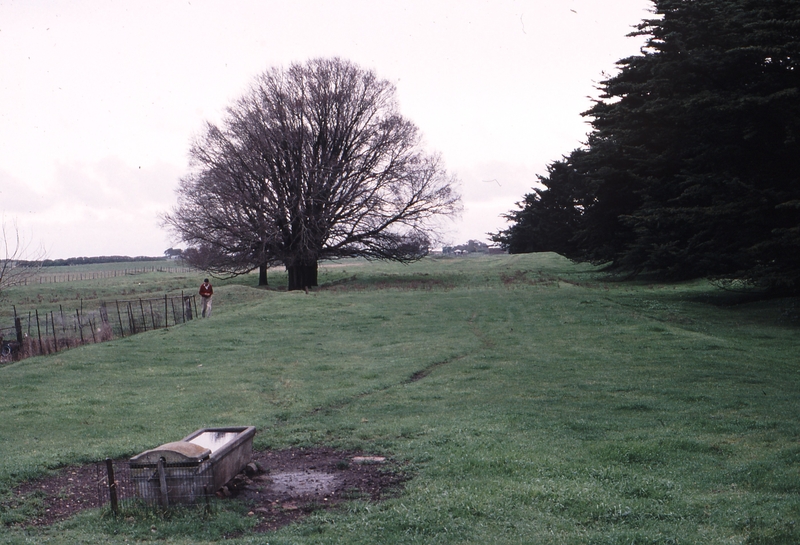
(17, 263)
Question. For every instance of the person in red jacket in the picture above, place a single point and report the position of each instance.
(206, 291)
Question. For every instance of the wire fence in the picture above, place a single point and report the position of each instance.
(125, 485)
(58, 278)
(51, 331)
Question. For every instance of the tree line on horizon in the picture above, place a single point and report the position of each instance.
(72, 261)
(692, 167)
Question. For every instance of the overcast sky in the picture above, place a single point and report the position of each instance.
(99, 99)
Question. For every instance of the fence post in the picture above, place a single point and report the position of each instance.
(103, 312)
(91, 327)
(162, 480)
(39, 331)
(20, 347)
(80, 327)
(18, 326)
(152, 314)
(119, 315)
(112, 485)
(55, 339)
(131, 319)
(144, 320)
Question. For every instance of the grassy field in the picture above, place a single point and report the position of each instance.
(69, 295)
(554, 407)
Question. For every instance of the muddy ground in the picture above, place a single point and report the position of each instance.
(278, 486)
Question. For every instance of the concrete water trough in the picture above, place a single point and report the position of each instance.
(197, 466)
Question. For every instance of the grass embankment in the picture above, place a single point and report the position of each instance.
(552, 408)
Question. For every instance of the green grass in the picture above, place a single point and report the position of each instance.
(555, 407)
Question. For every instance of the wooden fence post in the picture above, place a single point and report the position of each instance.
(119, 315)
(18, 327)
(144, 320)
(112, 485)
(152, 314)
(39, 330)
(103, 313)
(18, 330)
(80, 327)
(131, 319)
(55, 339)
(91, 325)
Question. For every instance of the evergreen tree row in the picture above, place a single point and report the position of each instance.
(692, 168)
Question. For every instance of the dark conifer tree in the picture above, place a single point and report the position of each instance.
(693, 165)
(547, 217)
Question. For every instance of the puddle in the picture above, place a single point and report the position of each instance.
(303, 482)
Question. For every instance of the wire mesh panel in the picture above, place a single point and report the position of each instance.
(124, 484)
(114, 484)
(168, 484)
(180, 472)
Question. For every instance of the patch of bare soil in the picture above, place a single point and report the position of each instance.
(71, 490)
(296, 482)
(279, 486)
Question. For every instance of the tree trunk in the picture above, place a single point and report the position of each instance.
(302, 276)
(262, 275)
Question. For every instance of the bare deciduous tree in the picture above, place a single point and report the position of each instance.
(313, 162)
(17, 262)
